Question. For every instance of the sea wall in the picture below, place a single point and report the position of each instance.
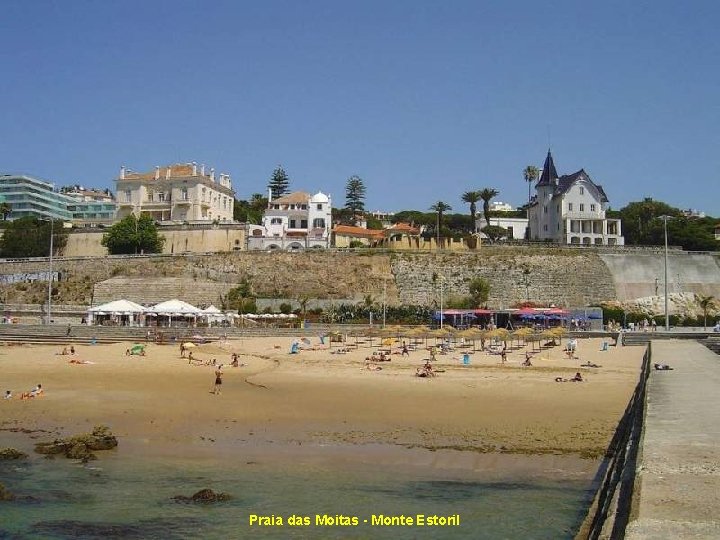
(567, 277)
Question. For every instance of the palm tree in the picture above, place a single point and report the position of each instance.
(440, 207)
(5, 210)
(472, 197)
(486, 194)
(531, 174)
(706, 304)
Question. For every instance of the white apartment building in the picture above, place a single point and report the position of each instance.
(570, 209)
(182, 192)
(293, 222)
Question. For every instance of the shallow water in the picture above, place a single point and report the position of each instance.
(116, 497)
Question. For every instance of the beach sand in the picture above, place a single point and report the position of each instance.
(291, 405)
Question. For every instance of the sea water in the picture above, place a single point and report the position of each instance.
(116, 497)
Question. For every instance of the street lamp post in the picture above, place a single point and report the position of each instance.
(667, 315)
(441, 302)
(50, 272)
(384, 302)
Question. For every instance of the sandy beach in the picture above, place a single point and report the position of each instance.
(159, 404)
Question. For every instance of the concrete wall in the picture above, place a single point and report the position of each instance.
(177, 240)
(634, 274)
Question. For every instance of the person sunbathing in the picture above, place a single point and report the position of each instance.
(662, 367)
(372, 367)
(35, 392)
(8, 394)
(576, 378)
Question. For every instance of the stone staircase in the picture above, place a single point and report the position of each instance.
(712, 343)
(643, 338)
(152, 290)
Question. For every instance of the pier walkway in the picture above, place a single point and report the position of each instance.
(677, 489)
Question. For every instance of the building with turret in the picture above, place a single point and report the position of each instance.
(570, 209)
(293, 222)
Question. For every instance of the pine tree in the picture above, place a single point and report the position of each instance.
(279, 183)
(355, 194)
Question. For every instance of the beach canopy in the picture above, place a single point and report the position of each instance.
(211, 310)
(125, 307)
(174, 308)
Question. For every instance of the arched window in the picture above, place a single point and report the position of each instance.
(318, 223)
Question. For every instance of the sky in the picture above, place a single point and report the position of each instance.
(424, 100)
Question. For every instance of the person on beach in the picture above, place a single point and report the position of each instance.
(35, 392)
(72, 349)
(234, 362)
(190, 358)
(182, 350)
(527, 361)
(503, 356)
(69, 330)
(218, 380)
(8, 394)
(405, 351)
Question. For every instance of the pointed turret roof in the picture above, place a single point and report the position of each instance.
(549, 174)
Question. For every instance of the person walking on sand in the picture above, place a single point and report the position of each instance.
(405, 351)
(218, 380)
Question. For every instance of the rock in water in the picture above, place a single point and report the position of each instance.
(204, 496)
(11, 453)
(5, 495)
(80, 446)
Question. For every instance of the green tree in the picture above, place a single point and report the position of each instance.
(472, 198)
(252, 210)
(30, 237)
(479, 291)
(133, 235)
(531, 174)
(279, 183)
(494, 232)
(5, 210)
(440, 207)
(355, 194)
(706, 304)
(241, 298)
(487, 194)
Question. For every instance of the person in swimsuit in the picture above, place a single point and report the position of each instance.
(218, 380)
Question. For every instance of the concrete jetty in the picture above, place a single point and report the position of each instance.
(677, 487)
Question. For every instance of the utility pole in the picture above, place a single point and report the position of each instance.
(667, 315)
(50, 272)
(384, 301)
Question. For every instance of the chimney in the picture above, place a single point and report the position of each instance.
(157, 172)
(194, 168)
(269, 196)
(167, 171)
(212, 173)
(122, 172)
(202, 170)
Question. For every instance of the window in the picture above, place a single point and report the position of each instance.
(557, 208)
(128, 195)
(151, 195)
(570, 207)
(545, 227)
(303, 223)
(161, 197)
(545, 209)
(318, 223)
(319, 206)
(592, 207)
(558, 226)
(276, 221)
(582, 191)
(582, 207)
(184, 194)
(292, 223)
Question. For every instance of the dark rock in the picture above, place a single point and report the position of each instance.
(80, 446)
(11, 453)
(204, 496)
(5, 495)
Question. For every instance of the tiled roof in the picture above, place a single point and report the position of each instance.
(176, 170)
(349, 230)
(403, 228)
(566, 181)
(292, 198)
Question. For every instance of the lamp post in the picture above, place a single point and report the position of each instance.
(667, 315)
(441, 302)
(384, 301)
(50, 272)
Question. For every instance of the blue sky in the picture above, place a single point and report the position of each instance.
(422, 99)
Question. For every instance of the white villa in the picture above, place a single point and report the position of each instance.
(293, 222)
(570, 209)
(179, 192)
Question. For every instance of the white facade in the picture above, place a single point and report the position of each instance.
(294, 222)
(179, 193)
(570, 209)
(516, 227)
